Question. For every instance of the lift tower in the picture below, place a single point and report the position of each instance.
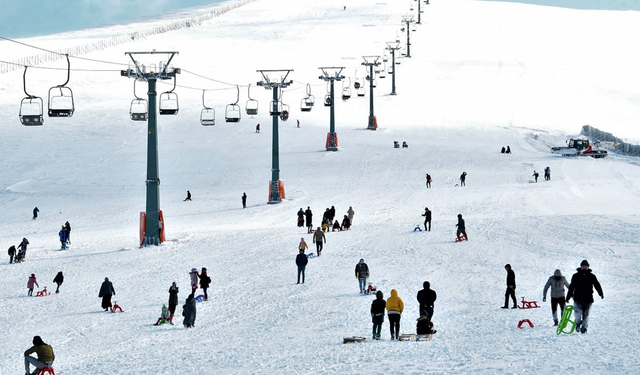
(408, 20)
(371, 61)
(332, 74)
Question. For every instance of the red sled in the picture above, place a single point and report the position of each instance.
(43, 292)
(523, 321)
(116, 308)
(528, 304)
(461, 238)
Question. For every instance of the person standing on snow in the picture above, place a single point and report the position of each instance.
(106, 291)
(557, 282)
(58, 280)
(63, 238)
(12, 253)
(300, 217)
(350, 214)
(43, 351)
(303, 245)
(35, 213)
(362, 274)
(309, 218)
(463, 178)
(395, 306)
(32, 281)
(427, 219)
(244, 200)
(426, 298)
(189, 312)
(461, 229)
(204, 282)
(346, 223)
(511, 288)
(535, 175)
(547, 174)
(581, 289)
(188, 198)
(318, 237)
(22, 248)
(332, 214)
(377, 314)
(173, 300)
(194, 280)
(428, 180)
(301, 262)
(67, 229)
(258, 128)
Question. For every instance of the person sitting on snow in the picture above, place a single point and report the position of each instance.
(404, 144)
(396, 144)
(336, 226)
(43, 351)
(165, 316)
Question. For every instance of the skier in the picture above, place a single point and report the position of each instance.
(503, 150)
(35, 213)
(427, 219)
(63, 238)
(350, 214)
(303, 245)
(318, 237)
(581, 289)
(428, 180)
(362, 274)
(188, 198)
(463, 177)
(59, 279)
(301, 262)
(309, 218)
(22, 250)
(377, 314)
(12, 253)
(43, 351)
(547, 174)
(258, 128)
(535, 175)
(106, 291)
(244, 200)
(300, 217)
(194, 280)
(395, 306)
(426, 298)
(511, 288)
(205, 280)
(461, 229)
(557, 282)
(346, 223)
(32, 281)
(164, 315)
(189, 312)
(173, 300)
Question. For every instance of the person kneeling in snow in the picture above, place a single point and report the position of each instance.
(165, 316)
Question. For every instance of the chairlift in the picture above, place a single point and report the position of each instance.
(207, 115)
(361, 89)
(356, 84)
(252, 105)
(382, 72)
(232, 112)
(346, 90)
(169, 101)
(308, 101)
(61, 98)
(284, 115)
(385, 57)
(30, 107)
(139, 109)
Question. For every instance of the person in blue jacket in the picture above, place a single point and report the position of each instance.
(63, 237)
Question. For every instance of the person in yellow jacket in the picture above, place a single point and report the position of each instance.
(44, 352)
(303, 245)
(395, 306)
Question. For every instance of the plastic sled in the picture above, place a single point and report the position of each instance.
(46, 370)
(406, 337)
(116, 308)
(43, 293)
(523, 321)
(200, 298)
(428, 337)
(565, 321)
(417, 229)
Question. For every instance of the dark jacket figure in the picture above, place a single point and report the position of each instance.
(12, 253)
(22, 250)
(106, 291)
(189, 312)
(426, 298)
(43, 351)
(59, 279)
(461, 229)
(535, 175)
(35, 213)
(336, 226)
(67, 229)
(318, 238)
(547, 174)
(557, 282)
(309, 218)
(63, 236)
(332, 213)
(404, 144)
(463, 178)
(427, 219)
(346, 223)
(244, 200)
(508, 150)
(424, 326)
(301, 262)
(173, 298)
(428, 180)
(511, 288)
(188, 198)
(205, 280)
(300, 218)
(581, 290)
(503, 150)
(362, 274)
(378, 307)
(258, 128)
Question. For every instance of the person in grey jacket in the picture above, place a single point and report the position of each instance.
(557, 282)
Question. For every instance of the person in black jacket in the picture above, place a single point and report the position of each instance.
(301, 262)
(59, 279)
(12, 253)
(581, 289)
(362, 274)
(427, 219)
(378, 307)
(463, 178)
(309, 218)
(244, 200)
(173, 300)
(461, 229)
(300, 218)
(426, 298)
(511, 288)
(67, 230)
(106, 291)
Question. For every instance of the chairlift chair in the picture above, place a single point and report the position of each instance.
(169, 101)
(232, 112)
(252, 105)
(304, 105)
(30, 107)
(284, 115)
(61, 105)
(361, 89)
(383, 71)
(207, 114)
(139, 110)
(346, 93)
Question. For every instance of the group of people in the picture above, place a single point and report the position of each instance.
(33, 282)
(394, 307)
(580, 289)
(506, 151)
(305, 218)
(65, 235)
(397, 145)
(547, 174)
(18, 256)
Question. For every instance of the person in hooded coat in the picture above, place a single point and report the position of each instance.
(581, 289)
(461, 228)
(164, 315)
(67, 229)
(194, 280)
(43, 351)
(350, 214)
(173, 300)
(557, 282)
(309, 218)
(63, 237)
(189, 312)
(377, 314)
(427, 219)
(395, 306)
(59, 279)
(205, 280)
(426, 299)
(31, 283)
(300, 217)
(106, 291)
(12, 253)
(23, 248)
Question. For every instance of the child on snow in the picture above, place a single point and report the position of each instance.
(165, 315)
(32, 281)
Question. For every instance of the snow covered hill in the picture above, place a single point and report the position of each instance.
(482, 75)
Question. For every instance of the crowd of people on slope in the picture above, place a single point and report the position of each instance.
(328, 223)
